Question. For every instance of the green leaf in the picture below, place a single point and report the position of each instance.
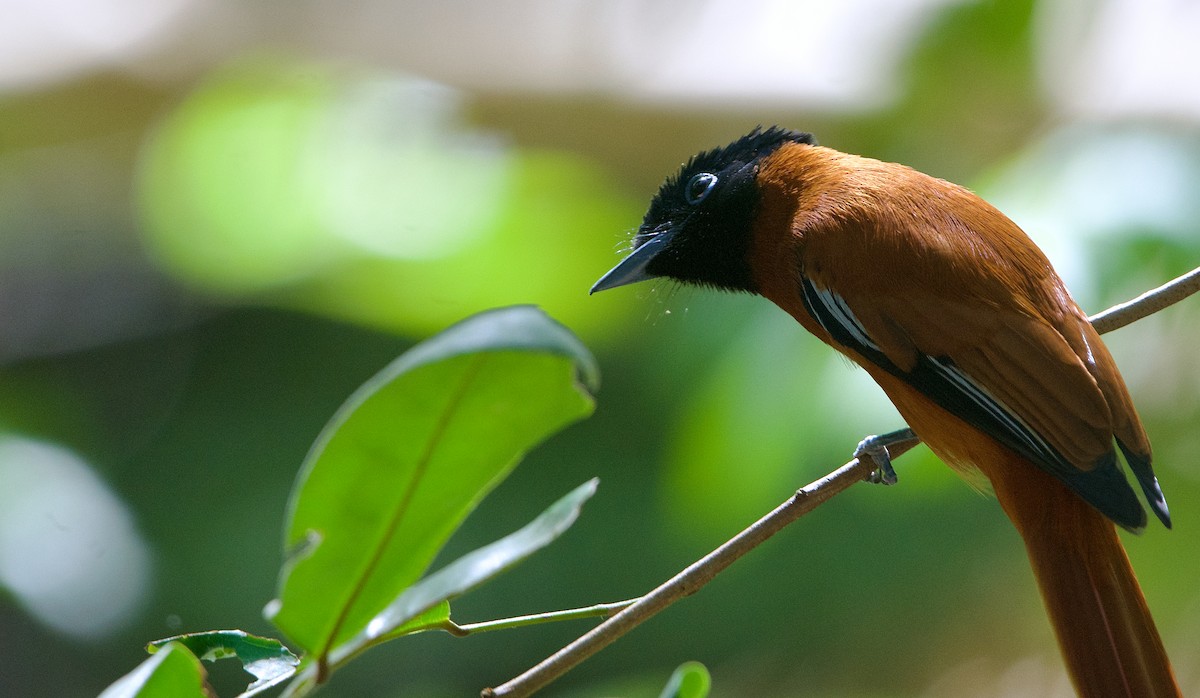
(472, 569)
(173, 672)
(410, 454)
(690, 680)
(436, 618)
(266, 659)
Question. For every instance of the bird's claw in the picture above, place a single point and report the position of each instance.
(875, 448)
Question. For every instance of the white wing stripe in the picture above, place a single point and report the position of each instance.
(830, 308)
(982, 397)
(845, 316)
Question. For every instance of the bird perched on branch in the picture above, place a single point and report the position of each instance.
(965, 325)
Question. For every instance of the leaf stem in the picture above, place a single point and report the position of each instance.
(600, 610)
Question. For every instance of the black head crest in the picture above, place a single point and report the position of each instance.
(698, 227)
(748, 149)
(710, 205)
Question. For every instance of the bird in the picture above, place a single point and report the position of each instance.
(962, 321)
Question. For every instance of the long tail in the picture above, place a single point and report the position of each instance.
(1104, 629)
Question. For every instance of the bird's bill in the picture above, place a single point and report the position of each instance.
(632, 269)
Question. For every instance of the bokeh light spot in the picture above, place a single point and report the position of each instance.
(69, 550)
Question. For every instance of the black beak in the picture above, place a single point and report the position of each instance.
(632, 269)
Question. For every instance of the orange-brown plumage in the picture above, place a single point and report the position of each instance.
(894, 243)
(963, 322)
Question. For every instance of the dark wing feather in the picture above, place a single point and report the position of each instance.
(1100, 480)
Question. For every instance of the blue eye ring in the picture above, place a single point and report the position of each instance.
(699, 187)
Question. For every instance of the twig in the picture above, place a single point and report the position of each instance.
(691, 579)
(805, 500)
(1148, 303)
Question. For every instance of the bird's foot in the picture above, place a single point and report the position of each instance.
(875, 447)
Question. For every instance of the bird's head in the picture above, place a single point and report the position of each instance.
(698, 227)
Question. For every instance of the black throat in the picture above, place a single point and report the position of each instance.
(711, 237)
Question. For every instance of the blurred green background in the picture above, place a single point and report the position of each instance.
(218, 218)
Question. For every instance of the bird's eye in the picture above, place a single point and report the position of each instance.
(699, 187)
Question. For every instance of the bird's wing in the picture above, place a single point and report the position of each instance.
(1004, 369)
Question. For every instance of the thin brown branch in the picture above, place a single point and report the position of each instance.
(805, 500)
(1148, 303)
(690, 580)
